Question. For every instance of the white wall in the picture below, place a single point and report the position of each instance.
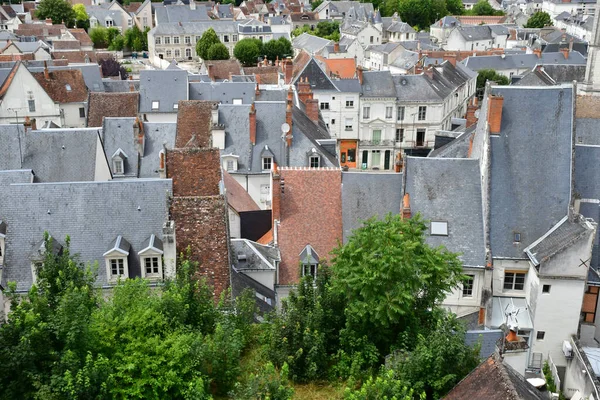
(252, 184)
(161, 117)
(102, 170)
(71, 118)
(460, 305)
(265, 278)
(234, 224)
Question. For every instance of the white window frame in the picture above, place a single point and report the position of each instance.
(155, 105)
(188, 53)
(310, 269)
(31, 105)
(314, 158)
(469, 286)
(118, 166)
(349, 103)
(389, 112)
(268, 160)
(35, 266)
(366, 112)
(422, 113)
(169, 53)
(187, 39)
(175, 39)
(159, 265)
(167, 39)
(324, 106)
(116, 256)
(513, 284)
(177, 53)
(438, 228)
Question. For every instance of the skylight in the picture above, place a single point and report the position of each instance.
(439, 228)
(68, 87)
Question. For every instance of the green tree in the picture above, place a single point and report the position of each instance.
(384, 386)
(117, 43)
(483, 7)
(218, 51)
(58, 10)
(99, 37)
(392, 279)
(455, 7)
(247, 51)
(82, 19)
(268, 383)
(278, 48)
(209, 37)
(484, 75)
(136, 40)
(539, 20)
(421, 13)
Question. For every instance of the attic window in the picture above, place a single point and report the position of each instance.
(116, 259)
(118, 166)
(517, 237)
(315, 161)
(151, 258)
(68, 87)
(438, 228)
(175, 106)
(155, 105)
(267, 163)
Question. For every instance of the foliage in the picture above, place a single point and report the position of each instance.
(247, 51)
(136, 40)
(104, 38)
(484, 75)
(392, 279)
(455, 7)
(315, 4)
(82, 19)
(384, 386)
(268, 384)
(278, 48)
(483, 7)
(209, 37)
(421, 13)
(440, 359)
(539, 20)
(60, 11)
(325, 29)
(111, 67)
(217, 51)
(117, 44)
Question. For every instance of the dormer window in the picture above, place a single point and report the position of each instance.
(438, 228)
(151, 258)
(118, 161)
(309, 260)
(38, 255)
(116, 259)
(267, 163)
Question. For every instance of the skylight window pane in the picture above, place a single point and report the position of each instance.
(439, 228)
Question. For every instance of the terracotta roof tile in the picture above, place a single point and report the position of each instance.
(117, 104)
(311, 213)
(344, 68)
(75, 57)
(300, 62)
(222, 69)
(237, 197)
(63, 86)
(268, 75)
(66, 45)
(267, 238)
(82, 36)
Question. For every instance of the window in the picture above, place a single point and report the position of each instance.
(175, 39)
(118, 166)
(188, 53)
(309, 269)
(401, 113)
(324, 106)
(234, 38)
(514, 280)
(145, 21)
(332, 121)
(349, 103)
(376, 136)
(388, 112)
(109, 22)
(198, 38)
(226, 38)
(348, 124)
(31, 104)
(351, 155)
(151, 266)
(129, 22)
(169, 53)
(68, 87)
(524, 334)
(400, 135)
(167, 40)
(517, 237)
(422, 113)
(117, 267)
(175, 106)
(546, 288)
(371, 39)
(267, 163)
(230, 165)
(177, 53)
(81, 112)
(439, 228)
(420, 137)
(540, 335)
(467, 290)
(187, 40)
(155, 105)
(366, 112)
(315, 161)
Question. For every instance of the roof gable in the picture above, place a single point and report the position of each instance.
(317, 78)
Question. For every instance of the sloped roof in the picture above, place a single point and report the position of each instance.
(167, 87)
(157, 136)
(316, 76)
(222, 69)
(344, 68)
(237, 197)
(223, 92)
(310, 43)
(268, 75)
(63, 86)
(514, 61)
(180, 13)
(378, 84)
(116, 104)
(82, 36)
(118, 135)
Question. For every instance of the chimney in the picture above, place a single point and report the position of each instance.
(512, 335)
(289, 70)
(192, 5)
(257, 90)
(565, 52)
(162, 172)
(471, 108)
(538, 53)
(252, 121)
(451, 58)
(131, 87)
(359, 74)
(138, 136)
(288, 114)
(398, 166)
(304, 90)
(312, 110)
(48, 21)
(27, 124)
(46, 72)
(406, 214)
(470, 151)
(429, 72)
(33, 125)
(336, 47)
(210, 68)
(169, 249)
(571, 44)
(495, 113)
(276, 199)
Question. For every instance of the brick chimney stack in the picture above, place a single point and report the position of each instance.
(565, 52)
(495, 103)
(471, 108)
(289, 70)
(538, 53)
(359, 74)
(252, 121)
(46, 72)
(451, 58)
(406, 214)
(288, 115)
(276, 199)
(210, 68)
(304, 90)
(312, 110)
(336, 47)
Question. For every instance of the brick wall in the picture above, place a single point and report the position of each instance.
(195, 172)
(194, 119)
(201, 224)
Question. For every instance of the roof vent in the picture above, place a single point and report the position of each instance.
(241, 257)
(403, 82)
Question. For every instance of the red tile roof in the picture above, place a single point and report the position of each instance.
(311, 213)
(237, 197)
(268, 75)
(82, 36)
(63, 86)
(344, 68)
(222, 69)
(74, 57)
(111, 105)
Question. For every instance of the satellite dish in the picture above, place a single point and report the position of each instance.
(285, 128)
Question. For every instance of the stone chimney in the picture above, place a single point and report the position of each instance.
(538, 53)
(33, 125)
(210, 69)
(312, 110)
(359, 74)
(252, 122)
(46, 72)
(495, 103)
(565, 51)
(278, 186)
(289, 70)
(336, 47)
(169, 249)
(304, 90)
(406, 214)
(451, 58)
(471, 108)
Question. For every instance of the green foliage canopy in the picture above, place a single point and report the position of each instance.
(247, 51)
(218, 51)
(58, 10)
(484, 75)
(209, 37)
(539, 20)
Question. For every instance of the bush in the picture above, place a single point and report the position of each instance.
(268, 384)
(217, 51)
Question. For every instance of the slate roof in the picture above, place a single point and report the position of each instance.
(194, 28)
(91, 74)
(587, 175)
(237, 197)
(14, 176)
(93, 214)
(378, 84)
(530, 166)
(118, 134)
(258, 256)
(167, 87)
(494, 380)
(223, 92)
(475, 32)
(514, 61)
(457, 148)
(118, 104)
(366, 195)
(54, 155)
(444, 189)
(446, 22)
(316, 76)
(157, 136)
(348, 85)
(63, 86)
(268, 75)
(101, 14)
(113, 85)
(310, 43)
